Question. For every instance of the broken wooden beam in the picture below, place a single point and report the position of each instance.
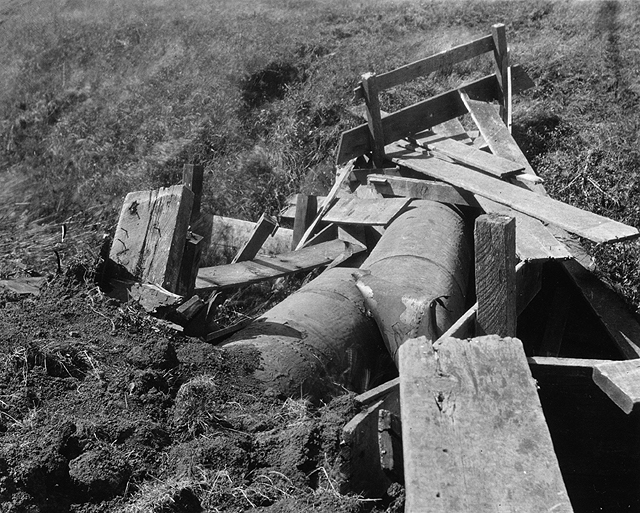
(421, 189)
(621, 382)
(581, 222)
(495, 272)
(150, 237)
(269, 267)
(473, 430)
(264, 228)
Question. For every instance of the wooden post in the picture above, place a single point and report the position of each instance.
(374, 117)
(495, 265)
(501, 55)
(193, 178)
(306, 211)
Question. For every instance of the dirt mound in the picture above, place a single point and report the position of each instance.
(103, 409)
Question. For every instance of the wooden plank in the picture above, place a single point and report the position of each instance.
(501, 61)
(378, 392)
(534, 242)
(190, 264)
(621, 382)
(473, 430)
(432, 63)
(228, 235)
(567, 367)
(374, 119)
(451, 129)
(289, 211)
(481, 160)
(421, 189)
(495, 272)
(326, 204)
(370, 212)
(24, 286)
(305, 212)
(423, 115)
(268, 267)
(264, 228)
(150, 238)
(586, 224)
(390, 445)
(609, 307)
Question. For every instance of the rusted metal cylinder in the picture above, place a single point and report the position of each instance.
(322, 338)
(317, 341)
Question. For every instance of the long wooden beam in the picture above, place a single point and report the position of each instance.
(586, 224)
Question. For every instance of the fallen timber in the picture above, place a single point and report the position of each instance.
(462, 324)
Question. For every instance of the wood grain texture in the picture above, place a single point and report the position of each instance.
(150, 238)
(495, 271)
(263, 229)
(586, 224)
(374, 119)
(268, 267)
(371, 212)
(473, 431)
(421, 189)
(534, 242)
(621, 382)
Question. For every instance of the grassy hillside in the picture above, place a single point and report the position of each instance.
(101, 98)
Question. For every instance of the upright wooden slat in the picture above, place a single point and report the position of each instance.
(193, 178)
(501, 58)
(495, 264)
(473, 431)
(305, 212)
(586, 224)
(374, 120)
(433, 63)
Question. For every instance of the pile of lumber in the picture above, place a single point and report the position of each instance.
(461, 426)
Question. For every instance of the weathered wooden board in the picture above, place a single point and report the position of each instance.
(263, 229)
(621, 382)
(473, 431)
(423, 115)
(268, 267)
(24, 286)
(432, 63)
(150, 238)
(533, 241)
(567, 367)
(228, 235)
(450, 129)
(421, 189)
(370, 212)
(305, 212)
(470, 156)
(495, 274)
(586, 224)
(390, 445)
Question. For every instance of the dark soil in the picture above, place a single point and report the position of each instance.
(102, 408)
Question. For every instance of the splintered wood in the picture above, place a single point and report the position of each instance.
(150, 238)
(473, 431)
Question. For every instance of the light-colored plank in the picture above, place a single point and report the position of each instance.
(432, 63)
(289, 211)
(470, 156)
(268, 267)
(421, 189)
(495, 272)
(564, 366)
(264, 228)
(377, 393)
(451, 129)
(420, 116)
(621, 382)
(586, 224)
(371, 212)
(533, 241)
(150, 237)
(473, 430)
(23, 286)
